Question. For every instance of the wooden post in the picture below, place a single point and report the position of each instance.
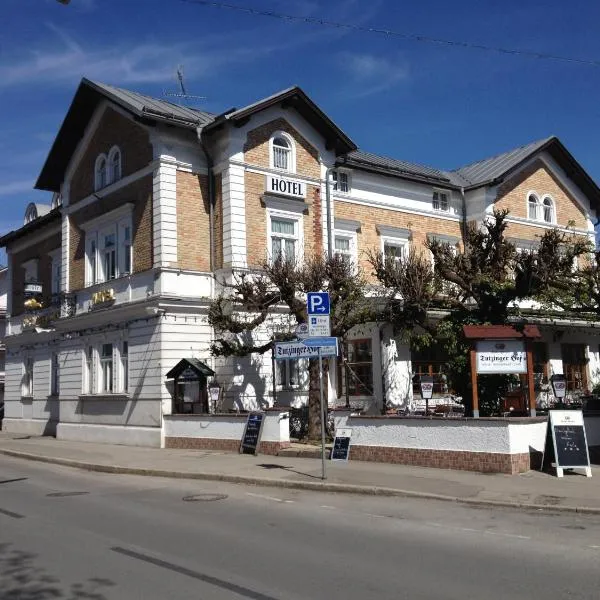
(474, 381)
(530, 382)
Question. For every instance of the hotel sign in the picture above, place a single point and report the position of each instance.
(501, 356)
(282, 186)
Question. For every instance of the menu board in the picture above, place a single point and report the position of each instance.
(569, 441)
(341, 444)
(252, 432)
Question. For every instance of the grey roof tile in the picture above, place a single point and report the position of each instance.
(486, 170)
(143, 104)
(394, 165)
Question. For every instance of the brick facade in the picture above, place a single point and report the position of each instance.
(369, 217)
(113, 129)
(512, 195)
(256, 149)
(40, 251)
(270, 448)
(193, 222)
(140, 194)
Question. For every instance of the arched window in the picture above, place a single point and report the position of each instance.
(56, 200)
(101, 175)
(31, 213)
(548, 208)
(532, 207)
(114, 164)
(282, 152)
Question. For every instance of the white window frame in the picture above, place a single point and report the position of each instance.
(88, 381)
(351, 236)
(105, 252)
(337, 184)
(298, 220)
(400, 242)
(107, 386)
(28, 370)
(115, 222)
(292, 152)
(439, 192)
(123, 366)
(552, 207)
(112, 176)
(287, 371)
(55, 271)
(54, 374)
(101, 180)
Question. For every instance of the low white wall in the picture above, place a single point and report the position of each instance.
(226, 427)
(468, 435)
(109, 434)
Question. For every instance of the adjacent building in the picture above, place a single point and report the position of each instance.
(108, 286)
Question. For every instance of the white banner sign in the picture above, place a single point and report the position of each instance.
(292, 350)
(285, 187)
(501, 356)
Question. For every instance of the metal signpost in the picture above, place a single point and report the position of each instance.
(318, 309)
(426, 382)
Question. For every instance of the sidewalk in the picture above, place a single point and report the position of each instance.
(531, 490)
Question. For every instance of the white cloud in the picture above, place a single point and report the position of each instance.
(373, 74)
(16, 187)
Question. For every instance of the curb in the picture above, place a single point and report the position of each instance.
(340, 488)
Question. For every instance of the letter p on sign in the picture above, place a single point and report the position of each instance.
(317, 303)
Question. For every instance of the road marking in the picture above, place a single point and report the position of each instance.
(472, 530)
(376, 516)
(269, 498)
(509, 535)
(327, 507)
(232, 587)
(595, 547)
(9, 513)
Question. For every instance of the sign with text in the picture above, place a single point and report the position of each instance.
(294, 350)
(283, 186)
(569, 441)
(317, 303)
(559, 385)
(501, 356)
(318, 326)
(252, 433)
(341, 445)
(328, 346)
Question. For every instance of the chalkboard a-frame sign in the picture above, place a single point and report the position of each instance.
(341, 445)
(569, 441)
(252, 433)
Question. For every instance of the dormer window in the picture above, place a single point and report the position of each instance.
(282, 152)
(341, 181)
(101, 174)
(114, 164)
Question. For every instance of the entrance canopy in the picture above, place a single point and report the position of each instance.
(190, 367)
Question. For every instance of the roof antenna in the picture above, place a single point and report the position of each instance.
(182, 95)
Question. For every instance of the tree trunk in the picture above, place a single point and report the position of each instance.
(314, 400)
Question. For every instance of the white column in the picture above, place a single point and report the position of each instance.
(65, 252)
(164, 212)
(234, 217)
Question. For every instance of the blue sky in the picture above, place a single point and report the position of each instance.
(428, 103)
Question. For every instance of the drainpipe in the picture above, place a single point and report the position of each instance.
(464, 212)
(328, 208)
(211, 200)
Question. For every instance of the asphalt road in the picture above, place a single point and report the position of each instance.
(71, 534)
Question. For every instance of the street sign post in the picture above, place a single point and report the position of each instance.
(318, 326)
(317, 303)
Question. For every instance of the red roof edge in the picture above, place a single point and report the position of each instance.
(500, 332)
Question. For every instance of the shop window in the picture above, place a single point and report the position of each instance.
(575, 367)
(356, 375)
(540, 364)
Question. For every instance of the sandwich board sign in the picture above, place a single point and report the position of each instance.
(252, 433)
(341, 445)
(569, 442)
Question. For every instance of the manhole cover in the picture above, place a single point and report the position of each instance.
(204, 497)
(65, 494)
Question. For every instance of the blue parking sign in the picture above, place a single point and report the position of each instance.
(317, 303)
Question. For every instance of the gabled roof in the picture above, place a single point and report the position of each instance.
(88, 96)
(492, 170)
(489, 169)
(293, 97)
(197, 366)
(392, 166)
